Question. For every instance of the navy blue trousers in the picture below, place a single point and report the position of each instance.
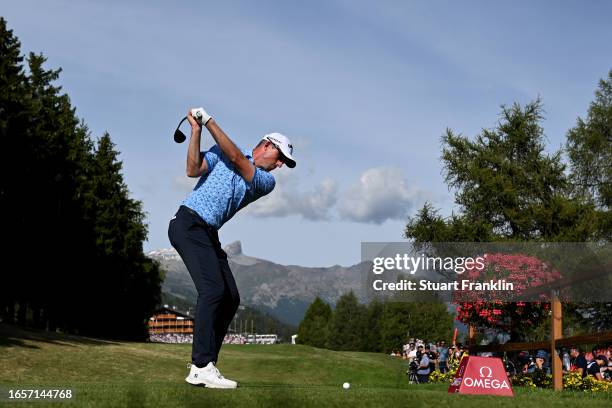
(198, 245)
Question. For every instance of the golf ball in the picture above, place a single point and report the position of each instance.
(346, 386)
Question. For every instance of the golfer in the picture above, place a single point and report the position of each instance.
(229, 179)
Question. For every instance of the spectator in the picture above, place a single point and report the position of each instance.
(405, 350)
(412, 352)
(419, 352)
(594, 367)
(459, 351)
(526, 363)
(579, 362)
(541, 362)
(423, 369)
(452, 354)
(443, 357)
(567, 363)
(607, 374)
(432, 356)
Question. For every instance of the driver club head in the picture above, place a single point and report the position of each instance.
(179, 137)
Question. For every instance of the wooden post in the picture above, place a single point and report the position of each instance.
(556, 328)
(471, 335)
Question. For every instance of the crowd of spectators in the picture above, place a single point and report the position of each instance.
(188, 338)
(597, 362)
(425, 357)
(171, 338)
(234, 339)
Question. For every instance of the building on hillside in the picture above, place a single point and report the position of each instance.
(171, 326)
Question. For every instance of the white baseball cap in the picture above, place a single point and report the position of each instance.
(283, 144)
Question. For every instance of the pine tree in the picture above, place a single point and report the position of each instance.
(13, 124)
(313, 329)
(70, 220)
(400, 321)
(347, 326)
(371, 337)
(132, 283)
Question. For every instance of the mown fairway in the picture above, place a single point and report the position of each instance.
(123, 374)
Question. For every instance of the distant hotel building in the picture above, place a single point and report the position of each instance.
(171, 326)
(170, 321)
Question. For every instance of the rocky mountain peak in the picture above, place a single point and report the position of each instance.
(233, 249)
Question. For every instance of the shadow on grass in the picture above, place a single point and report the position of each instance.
(15, 336)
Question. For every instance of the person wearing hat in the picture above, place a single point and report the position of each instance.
(594, 367)
(230, 178)
(526, 361)
(540, 362)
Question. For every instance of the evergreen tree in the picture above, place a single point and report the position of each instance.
(313, 329)
(507, 188)
(589, 148)
(132, 280)
(14, 121)
(70, 220)
(423, 320)
(377, 327)
(347, 326)
(395, 326)
(372, 334)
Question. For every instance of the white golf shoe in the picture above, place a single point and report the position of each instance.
(209, 377)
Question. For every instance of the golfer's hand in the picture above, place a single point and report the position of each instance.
(194, 123)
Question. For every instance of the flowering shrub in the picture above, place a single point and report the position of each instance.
(438, 377)
(489, 310)
(523, 380)
(449, 376)
(537, 379)
(575, 381)
(571, 381)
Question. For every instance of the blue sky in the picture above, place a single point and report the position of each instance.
(363, 89)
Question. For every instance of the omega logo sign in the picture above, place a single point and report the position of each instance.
(481, 375)
(485, 380)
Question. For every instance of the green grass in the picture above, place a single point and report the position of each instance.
(124, 374)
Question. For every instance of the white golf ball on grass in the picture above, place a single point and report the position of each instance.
(346, 386)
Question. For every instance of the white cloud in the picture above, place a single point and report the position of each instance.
(381, 194)
(286, 199)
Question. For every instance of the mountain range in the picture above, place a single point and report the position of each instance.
(283, 291)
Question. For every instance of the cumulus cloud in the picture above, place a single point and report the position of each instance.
(380, 194)
(287, 199)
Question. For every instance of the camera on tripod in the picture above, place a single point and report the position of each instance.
(413, 367)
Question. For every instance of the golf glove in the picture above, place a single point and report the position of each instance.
(200, 115)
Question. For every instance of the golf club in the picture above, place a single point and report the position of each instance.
(179, 137)
(198, 114)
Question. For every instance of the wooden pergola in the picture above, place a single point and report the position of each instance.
(556, 328)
